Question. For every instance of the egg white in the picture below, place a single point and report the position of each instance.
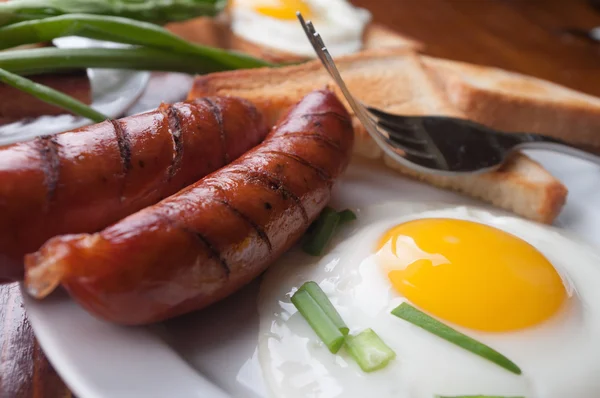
(340, 24)
(559, 358)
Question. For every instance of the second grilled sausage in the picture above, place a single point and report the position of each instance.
(208, 240)
(87, 179)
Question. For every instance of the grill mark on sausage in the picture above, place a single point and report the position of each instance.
(216, 111)
(274, 183)
(214, 253)
(174, 120)
(261, 232)
(124, 144)
(48, 150)
(327, 141)
(322, 173)
(336, 115)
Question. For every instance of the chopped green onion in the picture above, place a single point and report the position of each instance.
(321, 298)
(369, 351)
(424, 321)
(51, 96)
(320, 232)
(346, 216)
(475, 396)
(323, 326)
(121, 30)
(324, 229)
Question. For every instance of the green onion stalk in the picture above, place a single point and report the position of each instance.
(51, 96)
(321, 315)
(121, 30)
(419, 318)
(154, 11)
(324, 229)
(46, 60)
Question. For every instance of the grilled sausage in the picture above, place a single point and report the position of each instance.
(87, 179)
(203, 243)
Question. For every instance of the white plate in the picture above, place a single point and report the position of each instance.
(211, 353)
(113, 92)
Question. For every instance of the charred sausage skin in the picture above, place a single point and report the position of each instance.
(205, 242)
(87, 179)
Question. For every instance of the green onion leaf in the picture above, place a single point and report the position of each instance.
(346, 216)
(422, 320)
(121, 30)
(321, 298)
(475, 396)
(369, 351)
(318, 320)
(155, 11)
(44, 60)
(51, 96)
(322, 233)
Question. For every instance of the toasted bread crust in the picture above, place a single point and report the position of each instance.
(507, 188)
(393, 79)
(273, 90)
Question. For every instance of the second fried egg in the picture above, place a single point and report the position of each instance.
(273, 24)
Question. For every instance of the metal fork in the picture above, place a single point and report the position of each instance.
(437, 144)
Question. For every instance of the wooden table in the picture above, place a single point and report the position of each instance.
(524, 36)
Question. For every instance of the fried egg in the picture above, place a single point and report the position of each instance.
(273, 24)
(522, 288)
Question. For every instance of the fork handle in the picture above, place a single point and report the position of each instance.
(538, 141)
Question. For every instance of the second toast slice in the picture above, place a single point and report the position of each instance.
(514, 102)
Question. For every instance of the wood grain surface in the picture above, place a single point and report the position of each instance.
(524, 36)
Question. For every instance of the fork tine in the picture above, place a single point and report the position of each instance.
(327, 60)
(403, 134)
(317, 35)
(303, 22)
(319, 46)
(321, 51)
(397, 122)
(310, 31)
(414, 152)
(379, 112)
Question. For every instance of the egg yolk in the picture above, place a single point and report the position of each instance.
(283, 9)
(471, 274)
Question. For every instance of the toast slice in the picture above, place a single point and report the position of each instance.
(394, 80)
(514, 102)
(215, 32)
